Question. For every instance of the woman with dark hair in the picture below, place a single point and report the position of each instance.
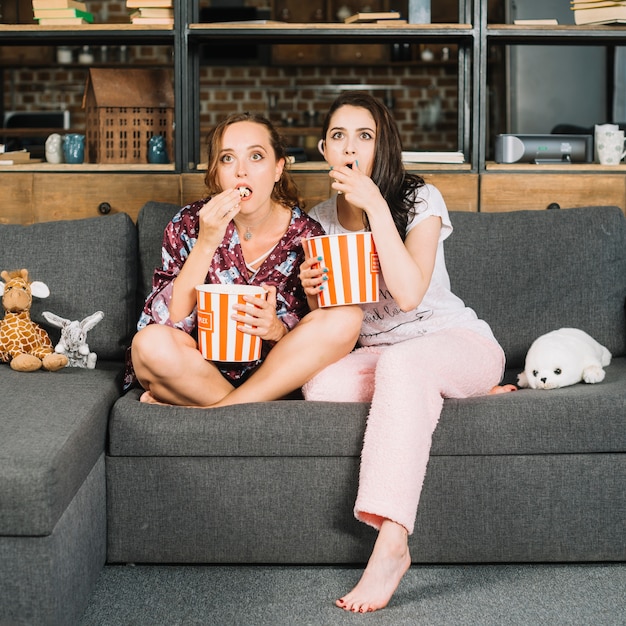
(417, 345)
(247, 232)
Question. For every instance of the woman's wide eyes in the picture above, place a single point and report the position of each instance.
(364, 135)
(229, 158)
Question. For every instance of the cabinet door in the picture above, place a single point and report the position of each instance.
(16, 204)
(192, 188)
(62, 196)
(513, 192)
(314, 187)
(459, 191)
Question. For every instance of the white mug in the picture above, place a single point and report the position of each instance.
(609, 144)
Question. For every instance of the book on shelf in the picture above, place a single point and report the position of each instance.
(583, 6)
(58, 13)
(59, 4)
(140, 4)
(62, 21)
(14, 157)
(392, 22)
(168, 21)
(544, 22)
(593, 3)
(604, 15)
(372, 16)
(152, 12)
(433, 157)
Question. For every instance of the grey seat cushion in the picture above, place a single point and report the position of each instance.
(89, 265)
(522, 422)
(530, 272)
(52, 432)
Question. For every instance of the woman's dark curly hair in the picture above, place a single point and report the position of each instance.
(398, 187)
(285, 191)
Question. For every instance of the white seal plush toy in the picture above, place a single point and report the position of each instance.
(563, 357)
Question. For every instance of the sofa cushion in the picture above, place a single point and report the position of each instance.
(530, 272)
(89, 265)
(53, 432)
(524, 422)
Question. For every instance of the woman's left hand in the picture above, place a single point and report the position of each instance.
(258, 316)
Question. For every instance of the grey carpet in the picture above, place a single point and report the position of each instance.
(477, 595)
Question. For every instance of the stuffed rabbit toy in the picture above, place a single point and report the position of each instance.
(73, 339)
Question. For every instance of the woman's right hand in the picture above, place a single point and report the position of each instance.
(215, 216)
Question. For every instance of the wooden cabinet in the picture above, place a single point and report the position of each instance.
(513, 192)
(38, 197)
(460, 191)
(42, 197)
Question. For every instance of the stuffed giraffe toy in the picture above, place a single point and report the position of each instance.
(23, 343)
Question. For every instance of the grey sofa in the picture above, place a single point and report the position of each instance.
(89, 476)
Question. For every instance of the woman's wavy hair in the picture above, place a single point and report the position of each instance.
(398, 187)
(285, 191)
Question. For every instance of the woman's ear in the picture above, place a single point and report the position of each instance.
(280, 166)
(321, 146)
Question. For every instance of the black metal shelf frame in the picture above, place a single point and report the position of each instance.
(473, 35)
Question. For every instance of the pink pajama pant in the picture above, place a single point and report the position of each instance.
(406, 383)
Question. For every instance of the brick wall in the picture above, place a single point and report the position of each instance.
(423, 99)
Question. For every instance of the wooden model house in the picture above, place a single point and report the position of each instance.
(124, 108)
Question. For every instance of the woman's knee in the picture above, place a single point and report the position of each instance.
(155, 346)
(341, 324)
(351, 379)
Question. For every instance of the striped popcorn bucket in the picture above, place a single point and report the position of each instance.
(352, 265)
(219, 339)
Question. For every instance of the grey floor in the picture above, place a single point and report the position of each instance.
(497, 595)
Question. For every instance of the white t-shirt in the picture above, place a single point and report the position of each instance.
(383, 321)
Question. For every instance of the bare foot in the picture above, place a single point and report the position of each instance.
(148, 398)
(387, 565)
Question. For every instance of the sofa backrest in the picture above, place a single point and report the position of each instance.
(529, 272)
(524, 272)
(151, 222)
(89, 265)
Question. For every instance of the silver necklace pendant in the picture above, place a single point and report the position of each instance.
(248, 235)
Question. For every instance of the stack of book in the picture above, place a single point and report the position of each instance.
(61, 12)
(599, 11)
(151, 11)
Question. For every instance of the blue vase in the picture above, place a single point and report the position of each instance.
(157, 152)
(74, 148)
